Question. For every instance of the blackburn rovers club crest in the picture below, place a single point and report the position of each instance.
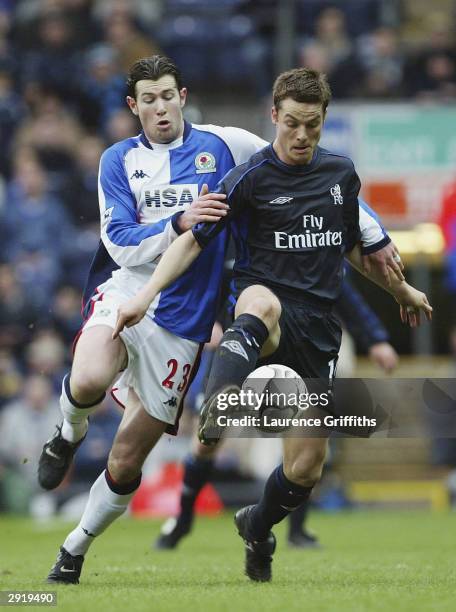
(205, 162)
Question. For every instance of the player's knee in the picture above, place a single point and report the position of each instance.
(306, 469)
(267, 308)
(88, 383)
(124, 466)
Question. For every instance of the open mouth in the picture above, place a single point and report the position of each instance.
(164, 123)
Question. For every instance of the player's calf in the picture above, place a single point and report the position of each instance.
(304, 460)
(197, 472)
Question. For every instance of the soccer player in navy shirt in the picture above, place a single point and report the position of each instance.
(294, 217)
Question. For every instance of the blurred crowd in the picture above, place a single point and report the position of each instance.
(62, 101)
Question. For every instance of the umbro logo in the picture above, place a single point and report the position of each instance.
(235, 347)
(281, 200)
(139, 174)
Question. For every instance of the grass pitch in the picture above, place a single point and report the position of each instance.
(370, 561)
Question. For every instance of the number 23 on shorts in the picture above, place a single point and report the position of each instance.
(173, 366)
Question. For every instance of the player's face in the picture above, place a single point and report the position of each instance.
(158, 105)
(299, 126)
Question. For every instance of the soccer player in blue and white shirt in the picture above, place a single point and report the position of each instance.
(148, 192)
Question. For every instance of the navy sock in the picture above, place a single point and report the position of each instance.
(237, 353)
(297, 519)
(280, 497)
(197, 472)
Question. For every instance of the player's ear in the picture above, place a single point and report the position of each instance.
(183, 96)
(274, 115)
(132, 105)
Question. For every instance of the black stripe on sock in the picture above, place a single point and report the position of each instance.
(66, 384)
(122, 489)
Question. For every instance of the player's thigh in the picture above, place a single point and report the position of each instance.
(137, 435)
(98, 357)
(261, 302)
(303, 458)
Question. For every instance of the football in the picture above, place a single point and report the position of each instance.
(277, 389)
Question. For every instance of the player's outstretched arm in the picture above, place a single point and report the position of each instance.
(412, 302)
(174, 262)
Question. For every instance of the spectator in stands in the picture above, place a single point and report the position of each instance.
(122, 124)
(124, 35)
(12, 110)
(103, 85)
(81, 191)
(66, 313)
(53, 61)
(47, 355)
(25, 424)
(79, 14)
(331, 33)
(383, 62)
(8, 58)
(10, 377)
(145, 12)
(331, 50)
(52, 132)
(431, 71)
(17, 314)
(38, 232)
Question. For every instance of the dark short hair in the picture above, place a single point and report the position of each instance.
(152, 68)
(302, 85)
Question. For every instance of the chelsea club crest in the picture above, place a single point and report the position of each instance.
(205, 162)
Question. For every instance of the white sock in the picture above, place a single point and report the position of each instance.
(103, 507)
(75, 422)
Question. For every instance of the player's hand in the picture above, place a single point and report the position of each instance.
(207, 207)
(130, 314)
(384, 260)
(412, 302)
(384, 355)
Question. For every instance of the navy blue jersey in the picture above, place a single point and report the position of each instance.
(292, 225)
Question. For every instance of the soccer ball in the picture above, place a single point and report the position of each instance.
(277, 389)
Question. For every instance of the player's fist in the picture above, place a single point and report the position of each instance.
(207, 207)
(384, 260)
(130, 314)
(384, 355)
(412, 302)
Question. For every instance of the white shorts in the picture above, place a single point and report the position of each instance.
(160, 364)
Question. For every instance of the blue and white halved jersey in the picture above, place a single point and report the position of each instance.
(143, 188)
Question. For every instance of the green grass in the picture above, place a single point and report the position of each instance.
(370, 561)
